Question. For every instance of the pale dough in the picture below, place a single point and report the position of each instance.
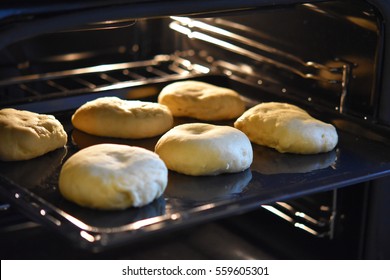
(25, 135)
(113, 176)
(287, 128)
(119, 118)
(202, 101)
(204, 149)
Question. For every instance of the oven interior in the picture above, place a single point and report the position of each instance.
(325, 57)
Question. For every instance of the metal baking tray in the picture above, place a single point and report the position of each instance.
(31, 186)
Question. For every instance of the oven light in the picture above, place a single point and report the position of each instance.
(42, 212)
(314, 8)
(227, 72)
(87, 236)
(179, 28)
(277, 212)
(200, 68)
(306, 228)
(144, 223)
(186, 63)
(307, 217)
(183, 20)
(175, 216)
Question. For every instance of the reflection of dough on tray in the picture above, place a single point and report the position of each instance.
(201, 101)
(83, 140)
(118, 218)
(287, 128)
(115, 117)
(112, 176)
(268, 161)
(25, 135)
(33, 172)
(153, 209)
(203, 149)
(205, 188)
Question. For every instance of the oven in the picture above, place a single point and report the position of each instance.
(329, 57)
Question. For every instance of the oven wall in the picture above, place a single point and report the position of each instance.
(377, 244)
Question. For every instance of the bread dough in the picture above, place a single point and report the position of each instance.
(113, 176)
(25, 135)
(287, 128)
(204, 149)
(115, 117)
(202, 101)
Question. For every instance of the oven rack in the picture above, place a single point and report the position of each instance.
(100, 78)
(266, 65)
(312, 217)
(186, 63)
(225, 34)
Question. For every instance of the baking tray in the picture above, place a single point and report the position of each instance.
(32, 187)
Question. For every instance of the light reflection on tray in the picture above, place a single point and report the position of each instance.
(268, 161)
(114, 218)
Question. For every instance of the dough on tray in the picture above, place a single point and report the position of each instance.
(201, 101)
(25, 135)
(287, 128)
(113, 176)
(119, 118)
(204, 149)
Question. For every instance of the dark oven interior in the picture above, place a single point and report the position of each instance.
(328, 57)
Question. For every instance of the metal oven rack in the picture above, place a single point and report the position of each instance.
(95, 79)
(223, 35)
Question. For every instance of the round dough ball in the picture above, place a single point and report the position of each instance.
(115, 117)
(113, 176)
(25, 135)
(202, 101)
(204, 149)
(287, 128)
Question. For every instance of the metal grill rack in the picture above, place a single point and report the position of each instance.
(96, 79)
(223, 35)
(314, 218)
(266, 66)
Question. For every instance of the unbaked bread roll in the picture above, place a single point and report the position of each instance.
(204, 149)
(115, 117)
(25, 135)
(287, 128)
(113, 176)
(202, 101)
